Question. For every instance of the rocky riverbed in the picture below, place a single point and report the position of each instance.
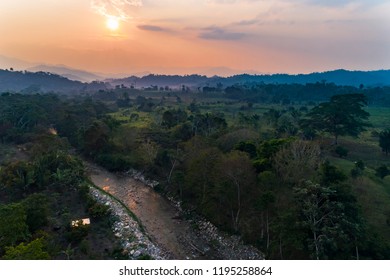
(167, 233)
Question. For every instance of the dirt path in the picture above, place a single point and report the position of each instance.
(160, 219)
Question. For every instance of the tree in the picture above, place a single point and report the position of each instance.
(13, 226)
(342, 115)
(329, 174)
(384, 141)
(297, 161)
(96, 137)
(382, 171)
(201, 173)
(37, 210)
(331, 216)
(30, 251)
(317, 212)
(148, 150)
(237, 185)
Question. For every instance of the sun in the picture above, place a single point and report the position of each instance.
(112, 23)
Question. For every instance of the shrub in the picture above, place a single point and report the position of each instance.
(341, 151)
(99, 210)
(382, 171)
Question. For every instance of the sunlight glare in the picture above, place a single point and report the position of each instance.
(112, 23)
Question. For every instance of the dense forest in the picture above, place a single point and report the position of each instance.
(301, 171)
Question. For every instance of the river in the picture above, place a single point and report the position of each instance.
(178, 237)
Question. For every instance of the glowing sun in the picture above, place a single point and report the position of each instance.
(112, 23)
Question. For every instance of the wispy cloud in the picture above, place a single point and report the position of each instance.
(219, 33)
(232, 1)
(248, 22)
(154, 28)
(341, 3)
(115, 8)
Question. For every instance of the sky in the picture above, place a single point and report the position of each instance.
(188, 36)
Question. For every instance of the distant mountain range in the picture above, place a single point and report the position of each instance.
(339, 77)
(32, 82)
(71, 74)
(73, 81)
(63, 70)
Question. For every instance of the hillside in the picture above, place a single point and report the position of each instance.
(30, 82)
(27, 82)
(338, 77)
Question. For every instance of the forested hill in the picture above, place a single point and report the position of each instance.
(338, 77)
(30, 82)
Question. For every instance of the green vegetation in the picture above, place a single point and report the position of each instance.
(257, 160)
(343, 115)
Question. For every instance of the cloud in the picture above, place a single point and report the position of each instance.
(154, 28)
(232, 1)
(119, 9)
(341, 3)
(218, 33)
(248, 22)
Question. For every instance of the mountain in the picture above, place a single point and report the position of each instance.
(63, 70)
(339, 77)
(17, 64)
(45, 81)
(70, 73)
(174, 81)
(32, 82)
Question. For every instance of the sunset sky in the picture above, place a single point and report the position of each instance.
(170, 36)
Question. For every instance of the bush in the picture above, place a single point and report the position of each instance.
(99, 210)
(37, 210)
(356, 172)
(360, 165)
(77, 233)
(382, 171)
(341, 151)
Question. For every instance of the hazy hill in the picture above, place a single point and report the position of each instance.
(45, 81)
(70, 73)
(30, 82)
(339, 77)
(161, 80)
(17, 64)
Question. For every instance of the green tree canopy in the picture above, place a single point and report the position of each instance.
(13, 226)
(342, 115)
(30, 251)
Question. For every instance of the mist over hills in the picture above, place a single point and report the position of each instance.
(74, 81)
(71, 74)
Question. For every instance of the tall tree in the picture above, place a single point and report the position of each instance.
(342, 115)
(237, 185)
(317, 215)
(331, 216)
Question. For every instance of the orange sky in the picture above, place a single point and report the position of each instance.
(166, 36)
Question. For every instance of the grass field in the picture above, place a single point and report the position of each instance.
(379, 117)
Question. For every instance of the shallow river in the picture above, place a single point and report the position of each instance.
(160, 219)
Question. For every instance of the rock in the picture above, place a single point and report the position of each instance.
(137, 254)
